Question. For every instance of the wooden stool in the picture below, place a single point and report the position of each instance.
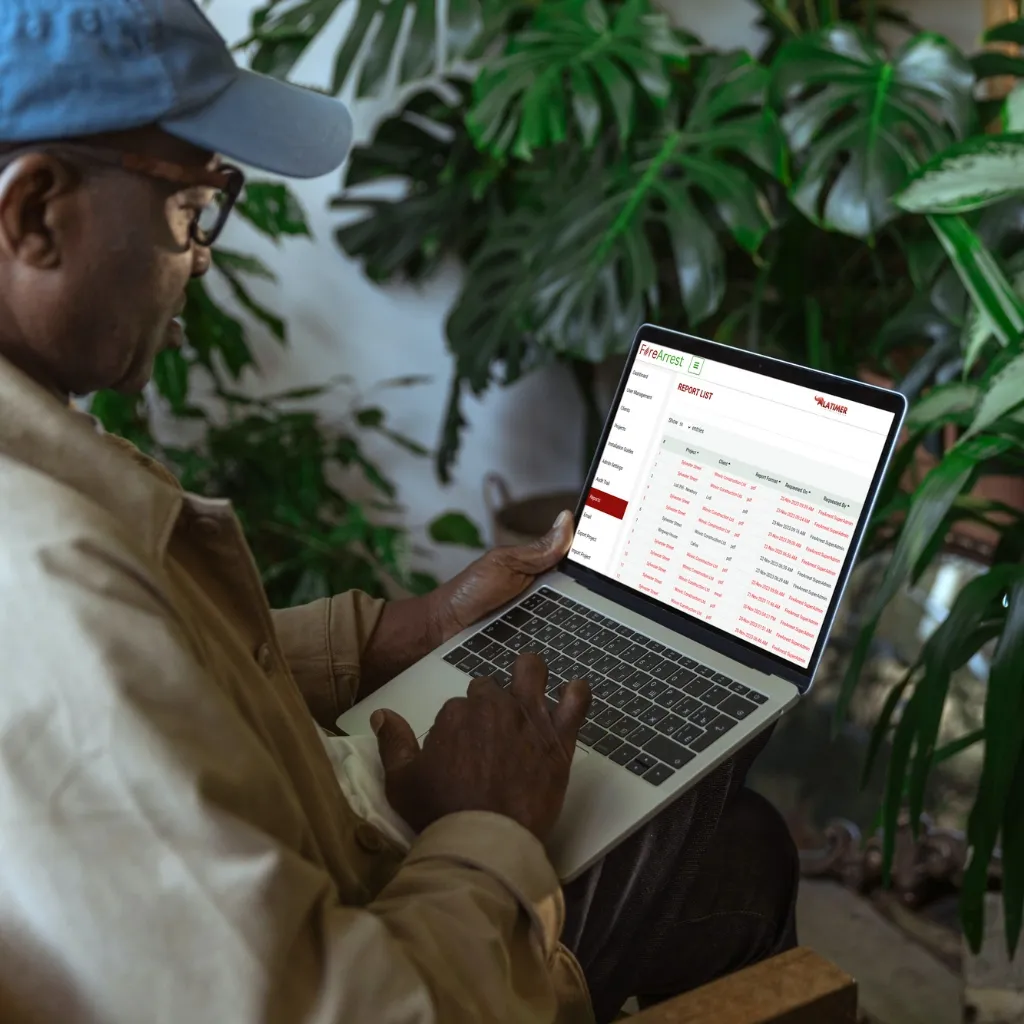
(797, 987)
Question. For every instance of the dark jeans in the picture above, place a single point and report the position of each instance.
(705, 888)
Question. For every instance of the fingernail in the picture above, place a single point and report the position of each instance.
(561, 519)
(376, 721)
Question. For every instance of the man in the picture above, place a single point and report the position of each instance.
(173, 845)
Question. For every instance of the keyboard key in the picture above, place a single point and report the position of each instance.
(686, 706)
(500, 631)
(656, 647)
(624, 754)
(688, 662)
(455, 655)
(535, 626)
(658, 774)
(649, 661)
(620, 697)
(721, 725)
(548, 633)
(653, 689)
(603, 637)
(637, 706)
(533, 602)
(596, 707)
(517, 617)
(674, 656)
(560, 616)
(502, 678)
(545, 608)
(562, 664)
(588, 631)
(606, 664)
(575, 648)
(653, 715)
(633, 654)
(504, 658)
(574, 622)
(624, 726)
(624, 631)
(551, 595)
(641, 763)
(589, 734)
(697, 686)
(721, 678)
(608, 717)
(641, 735)
(737, 707)
(477, 643)
(608, 744)
(757, 698)
(617, 646)
(668, 699)
(491, 650)
(703, 670)
(688, 734)
(470, 663)
(670, 723)
(635, 679)
(702, 742)
(738, 688)
(604, 688)
(518, 641)
(681, 677)
(666, 670)
(590, 656)
(704, 717)
(620, 671)
(714, 695)
(671, 753)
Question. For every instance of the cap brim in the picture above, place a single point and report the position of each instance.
(270, 125)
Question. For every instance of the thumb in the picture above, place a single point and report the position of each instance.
(546, 552)
(396, 742)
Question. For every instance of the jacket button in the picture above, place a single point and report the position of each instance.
(265, 657)
(369, 838)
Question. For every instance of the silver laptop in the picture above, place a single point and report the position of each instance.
(714, 538)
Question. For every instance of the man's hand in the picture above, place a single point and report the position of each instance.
(499, 576)
(493, 750)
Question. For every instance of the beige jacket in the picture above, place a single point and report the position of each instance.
(173, 845)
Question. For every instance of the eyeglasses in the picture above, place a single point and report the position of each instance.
(227, 181)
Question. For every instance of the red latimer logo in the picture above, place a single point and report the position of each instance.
(830, 406)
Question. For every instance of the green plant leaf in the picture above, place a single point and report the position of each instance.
(981, 276)
(1013, 858)
(281, 33)
(971, 174)
(993, 64)
(231, 265)
(1004, 740)
(958, 746)
(573, 59)
(1004, 394)
(880, 729)
(272, 209)
(370, 417)
(1005, 32)
(455, 528)
(449, 197)
(210, 331)
(859, 121)
(939, 404)
(170, 375)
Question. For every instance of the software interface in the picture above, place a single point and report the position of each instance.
(731, 496)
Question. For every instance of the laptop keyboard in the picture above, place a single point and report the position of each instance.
(653, 709)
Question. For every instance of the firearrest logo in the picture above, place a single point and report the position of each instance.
(662, 356)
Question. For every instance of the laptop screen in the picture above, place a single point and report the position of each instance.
(731, 496)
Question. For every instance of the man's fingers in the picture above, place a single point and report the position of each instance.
(529, 679)
(396, 741)
(571, 710)
(543, 553)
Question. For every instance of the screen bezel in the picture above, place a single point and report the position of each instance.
(713, 636)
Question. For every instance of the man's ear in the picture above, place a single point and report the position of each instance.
(32, 189)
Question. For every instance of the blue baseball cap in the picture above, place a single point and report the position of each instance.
(70, 68)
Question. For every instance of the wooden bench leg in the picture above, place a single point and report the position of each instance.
(797, 987)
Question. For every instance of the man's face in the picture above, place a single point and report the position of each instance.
(94, 264)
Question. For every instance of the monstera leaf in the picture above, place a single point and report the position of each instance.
(574, 61)
(438, 36)
(449, 196)
(573, 271)
(860, 122)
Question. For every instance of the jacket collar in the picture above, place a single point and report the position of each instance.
(39, 431)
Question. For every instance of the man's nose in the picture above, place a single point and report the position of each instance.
(200, 259)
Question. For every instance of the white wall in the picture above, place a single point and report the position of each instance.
(341, 323)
